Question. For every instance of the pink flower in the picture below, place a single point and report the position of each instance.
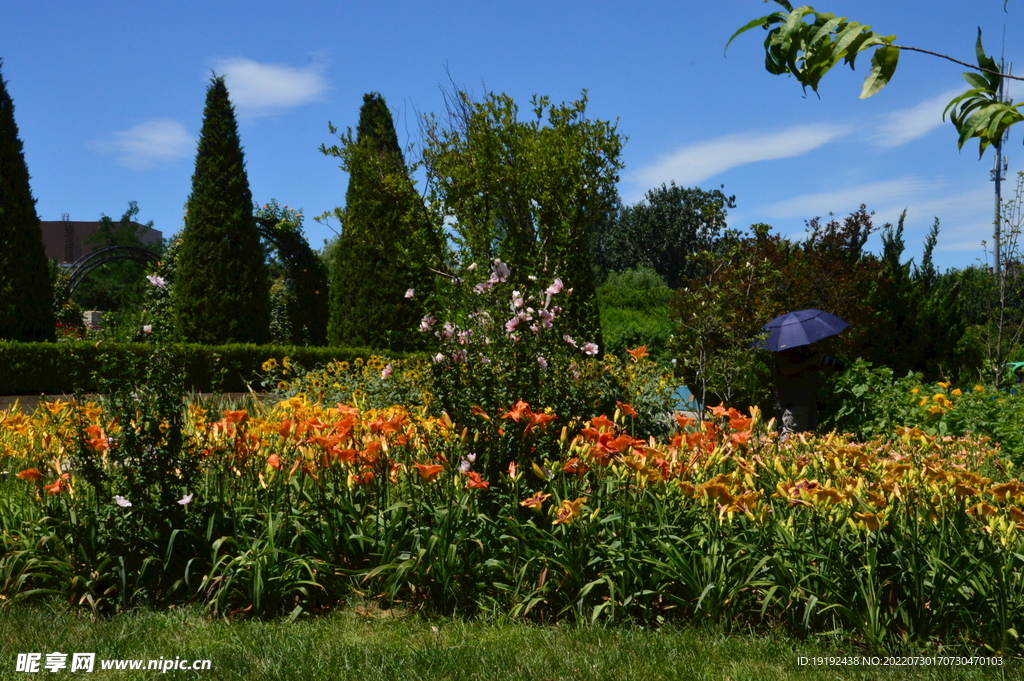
(122, 502)
(410, 293)
(386, 371)
(555, 288)
(517, 299)
(148, 328)
(542, 362)
(157, 281)
(185, 500)
(511, 324)
(590, 348)
(439, 357)
(500, 272)
(568, 339)
(545, 318)
(427, 323)
(471, 267)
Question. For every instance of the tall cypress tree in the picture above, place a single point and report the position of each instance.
(220, 292)
(26, 291)
(386, 244)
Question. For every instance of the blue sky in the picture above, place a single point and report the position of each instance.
(109, 98)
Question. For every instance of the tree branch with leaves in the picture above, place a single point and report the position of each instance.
(806, 44)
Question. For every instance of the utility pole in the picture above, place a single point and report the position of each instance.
(1000, 165)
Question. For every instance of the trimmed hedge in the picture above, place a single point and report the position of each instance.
(66, 368)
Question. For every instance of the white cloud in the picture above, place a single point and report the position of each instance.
(697, 162)
(905, 125)
(876, 195)
(965, 216)
(261, 89)
(149, 144)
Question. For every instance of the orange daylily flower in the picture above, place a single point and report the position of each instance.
(56, 406)
(520, 410)
(274, 461)
(58, 485)
(538, 421)
(626, 409)
(683, 421)
(30, 474)
(475, 481)
(236, 417)
(638, 353)
(477, 410)
(97, 439)
(568, 511)
(1011, 489)
(574, 465)
(740, 438)
(718, 411)
(602, 421)
(536, 501)
(428, 471)
(870, 520)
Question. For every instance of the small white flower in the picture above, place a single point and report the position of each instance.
(122, 502)
(590, 348)
(471, 267)
(185, 500)
(148, 328)
(157, 281)
(410, 293)
(439, 357)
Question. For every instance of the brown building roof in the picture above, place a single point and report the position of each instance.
(65, 241)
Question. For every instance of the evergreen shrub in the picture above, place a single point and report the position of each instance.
(66, 368)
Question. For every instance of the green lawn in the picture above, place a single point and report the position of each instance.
(369, 644)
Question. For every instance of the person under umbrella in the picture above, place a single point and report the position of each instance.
(798, 366)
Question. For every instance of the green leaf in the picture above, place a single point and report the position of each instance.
(976, 80)
(883, 66)
(984, 61)
(765, 21)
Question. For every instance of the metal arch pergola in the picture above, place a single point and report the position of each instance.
(307, 274)
(81, 268)
(305, 269)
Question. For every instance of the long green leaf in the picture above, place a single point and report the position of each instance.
(883, 66)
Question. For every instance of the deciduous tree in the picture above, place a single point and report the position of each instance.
(662, 232)
(526, 192)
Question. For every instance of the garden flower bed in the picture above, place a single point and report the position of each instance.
(293, 507)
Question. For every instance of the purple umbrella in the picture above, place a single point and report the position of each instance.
(802, 327)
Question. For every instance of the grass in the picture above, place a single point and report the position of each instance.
(368, 644)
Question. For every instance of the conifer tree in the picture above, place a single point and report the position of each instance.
(26, 291)
(387, 241)
(220, 293)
